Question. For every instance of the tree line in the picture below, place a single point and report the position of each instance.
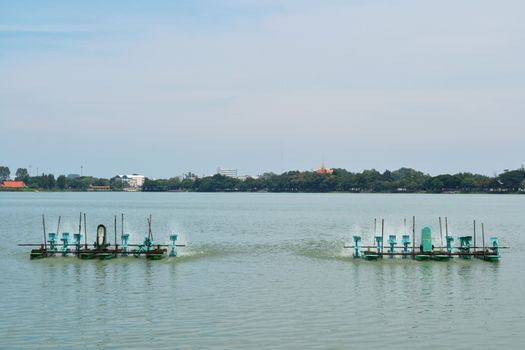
(60, 183)
(401, 180)
(341, 180)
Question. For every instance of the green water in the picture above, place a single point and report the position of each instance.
(260, 271)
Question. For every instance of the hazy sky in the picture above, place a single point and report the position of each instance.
(165, 87)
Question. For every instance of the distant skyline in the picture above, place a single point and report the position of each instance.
(162, 88)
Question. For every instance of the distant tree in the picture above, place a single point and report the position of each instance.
(186, 184)
(21, 174)
(80, 183)
(100, 182)
(435, 185)
(523, 185)
(4, 173)
(268, 175)
(160, 185)
(473, 182)
(174, 183)
(116, 184)
(50, 181)
(35, 182)
(512, 179)
(410, 179)
(61, 182)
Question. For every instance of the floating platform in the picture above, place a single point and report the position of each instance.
(426, 250)
(101, 248)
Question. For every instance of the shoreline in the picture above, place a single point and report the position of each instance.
(303, 192)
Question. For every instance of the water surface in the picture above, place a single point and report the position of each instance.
(260, 271)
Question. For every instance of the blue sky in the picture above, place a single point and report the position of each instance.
(166, 87)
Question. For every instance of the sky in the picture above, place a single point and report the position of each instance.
(162, 88)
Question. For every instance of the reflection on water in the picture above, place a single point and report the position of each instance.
(259, 271)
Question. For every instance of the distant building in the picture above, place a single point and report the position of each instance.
(72, 176)
(324, 170)
(227, 172)
(133, 182)
(13, 184)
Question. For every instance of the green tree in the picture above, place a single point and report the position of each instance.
(100, 182)
(80, 183)
(511, 180)
(61, 182)
(22, 175)
(187, 185)
(174, 184)
(116, 184)
(50, 181)
(4, 173)
(160, 185)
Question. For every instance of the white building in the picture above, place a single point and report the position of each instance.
(134, 181)
(227, 172)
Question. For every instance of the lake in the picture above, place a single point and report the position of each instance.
(260, 270)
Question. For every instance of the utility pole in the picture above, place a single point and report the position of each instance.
(81, 170)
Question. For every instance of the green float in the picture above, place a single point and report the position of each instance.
(101, 248)
(467, 248)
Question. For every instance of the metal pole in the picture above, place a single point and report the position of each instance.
(79, 232)
(405, 222)
(483, 236)
(413, 236)
(45, 235)
(441, 231)
(149, 227)
(446, 228)
(374, 233)
(122, 231)
(474, 235)
(150, 233)
(382, 236)
(116, 245)
(58, 226)
(85, 231)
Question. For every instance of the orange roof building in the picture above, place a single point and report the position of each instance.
(324, 170)
(99, 188)
(13, 184)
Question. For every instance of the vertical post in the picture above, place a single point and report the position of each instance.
(446, 229)
(483, 237)
(405, 222)
(116, 245)
(441, 231)
(80, 224)
(85, 231)
(474, 235)
(122, 227)
(382, 236)
(413, 236)
(45, 235)
(79, 232)
(375, 231)
(58, 226)
(150, 233)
